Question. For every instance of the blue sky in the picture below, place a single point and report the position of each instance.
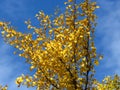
(107, 36)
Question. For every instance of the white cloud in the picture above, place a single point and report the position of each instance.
(109, 30)
(11, 67)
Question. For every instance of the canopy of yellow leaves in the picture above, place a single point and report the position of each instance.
(61, 51)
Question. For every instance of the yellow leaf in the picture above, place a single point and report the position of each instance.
(1, 24)
(70, 0)
(32, 67)
(19, 80)
(101, 57)
(3, 32)
(96, 62)
(39, 39)
(97, 6)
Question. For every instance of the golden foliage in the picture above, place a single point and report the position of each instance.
(61, 51)
(109, 83)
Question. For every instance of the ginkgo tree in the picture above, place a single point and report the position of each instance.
(61, 51)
